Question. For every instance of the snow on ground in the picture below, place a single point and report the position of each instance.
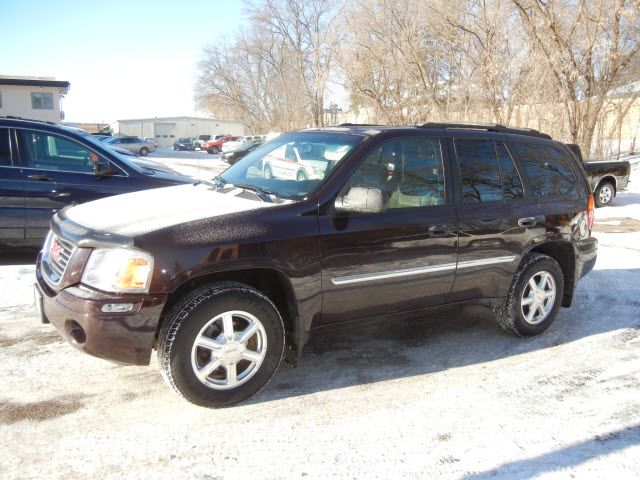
(197, 164)
(448, 397)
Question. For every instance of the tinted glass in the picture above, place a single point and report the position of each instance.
(511, 182)
(5, 148)
(479, 170)
(49, 152)
(548, 170)
(408, 170)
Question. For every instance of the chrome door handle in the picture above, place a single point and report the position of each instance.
(527, 222)
(43, 178)
(439, 230)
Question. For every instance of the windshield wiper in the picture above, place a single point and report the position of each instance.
(262, 193)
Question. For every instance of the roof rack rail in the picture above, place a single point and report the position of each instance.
(489, 127)
(13, 117)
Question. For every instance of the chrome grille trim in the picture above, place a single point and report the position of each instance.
(56, 268)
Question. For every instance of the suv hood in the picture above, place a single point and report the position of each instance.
(138, 213)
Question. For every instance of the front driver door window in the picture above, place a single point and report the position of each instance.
(403, 258)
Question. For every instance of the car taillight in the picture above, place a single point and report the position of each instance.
(590, 212)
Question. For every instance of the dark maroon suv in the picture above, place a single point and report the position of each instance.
(317, 227)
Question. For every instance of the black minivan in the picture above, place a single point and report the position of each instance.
(44, 168)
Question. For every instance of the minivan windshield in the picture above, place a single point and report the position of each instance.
(293, 164)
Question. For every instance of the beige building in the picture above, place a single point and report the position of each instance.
(36, 98)
(166, 130)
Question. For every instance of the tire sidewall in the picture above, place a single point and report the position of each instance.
(597, 195)
(543, 264)
(193, 321)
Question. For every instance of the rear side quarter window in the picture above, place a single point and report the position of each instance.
(548, 170)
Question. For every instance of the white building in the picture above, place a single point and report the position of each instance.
(36, 98)
(165, 130)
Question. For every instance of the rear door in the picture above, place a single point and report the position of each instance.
(399, 260)
(497, 217)
(58, 172)
(12, 203)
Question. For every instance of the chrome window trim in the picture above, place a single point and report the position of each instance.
(366, 277)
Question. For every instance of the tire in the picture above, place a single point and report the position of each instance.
(144, 151)
(301, 176)
(215, 150)
(209, 152)
(515, 315)
(268, 173)
(202, 316)
(604, 194)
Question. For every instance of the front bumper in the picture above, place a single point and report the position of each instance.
(76, 312)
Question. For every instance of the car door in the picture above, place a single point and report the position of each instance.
(12, 202)
(401, 259)
(497, 217)
(58, 172)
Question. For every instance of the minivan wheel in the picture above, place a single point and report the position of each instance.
(534, 297)
(604, 194)
(268, 174)
(221, 344)
(144, 151)
(301, 176)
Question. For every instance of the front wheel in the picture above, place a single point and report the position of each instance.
(301, 176)
(534, 297)
(144, 151)
(604, 194)
(215, 149)
(268, 173)
(221, 344)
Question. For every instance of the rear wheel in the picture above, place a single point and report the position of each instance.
(221, 344)
(534, 297)
(144, 151)
(604, 194)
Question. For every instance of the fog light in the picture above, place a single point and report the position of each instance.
(117, 307)
(75, 332)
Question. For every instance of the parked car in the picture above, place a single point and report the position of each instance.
(235, 155)
(215, 145)
(44, 168)
(200, 140)
(606, 177)
(183, 144)
(133, 144)
(225, 278)
(234, 145)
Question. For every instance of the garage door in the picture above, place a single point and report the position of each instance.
(165, 134)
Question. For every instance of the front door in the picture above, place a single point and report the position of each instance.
(399, 260)
(59, 172)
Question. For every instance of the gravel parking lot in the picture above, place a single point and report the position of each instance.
(449, 396)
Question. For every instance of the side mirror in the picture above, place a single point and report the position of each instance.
(103, 170)
(363, 200)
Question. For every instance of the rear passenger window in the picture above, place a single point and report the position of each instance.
(548, 170)
(5, 148)
(408, 170)
(511, 182)
(479, 170)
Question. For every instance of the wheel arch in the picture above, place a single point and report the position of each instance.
(610, 179)
(271, 282)
(562, 252)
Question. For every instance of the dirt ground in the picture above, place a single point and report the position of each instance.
(450, 396)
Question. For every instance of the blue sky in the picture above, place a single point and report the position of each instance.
(124, 59)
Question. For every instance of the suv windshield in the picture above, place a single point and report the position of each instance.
(292, 165)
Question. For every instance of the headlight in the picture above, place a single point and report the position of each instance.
(118, 270)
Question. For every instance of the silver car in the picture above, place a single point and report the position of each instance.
(133, 144)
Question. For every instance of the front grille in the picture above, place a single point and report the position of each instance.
(57, 254)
